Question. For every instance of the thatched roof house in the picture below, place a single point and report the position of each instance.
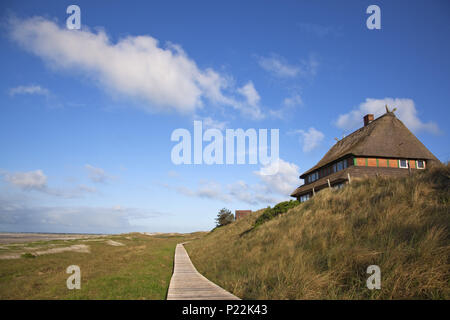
(384, 146)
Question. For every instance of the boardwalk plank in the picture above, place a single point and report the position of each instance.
(188, 284)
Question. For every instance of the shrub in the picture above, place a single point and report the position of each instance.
(278, 209)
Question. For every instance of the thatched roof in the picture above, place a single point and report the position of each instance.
(385, 136)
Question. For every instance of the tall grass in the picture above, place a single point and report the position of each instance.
(321, 249)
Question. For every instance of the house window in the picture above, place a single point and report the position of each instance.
(403, 163)
(313, 177)
(420, 164)
(303, 198)
(341, 165)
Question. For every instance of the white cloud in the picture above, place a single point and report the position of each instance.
(37, 181)
(252, 107)
(31, 89)
(97, 175)
(250, 93)
(293, 101)
(321, 30)
(210, 189)
(271, 189)
(30, 180)
(20, 215)
(240, 191)
(283, 182)
(210, 123)
(288, 104)
(406, 112)
(310, 66)
(310, 139)
(86, 189)
(279, 67)
(137, 67)
(206, 189)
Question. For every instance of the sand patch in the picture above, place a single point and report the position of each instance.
(82, 248)
(38, 248)
(7, 238)
(114, 243)
(10, 256)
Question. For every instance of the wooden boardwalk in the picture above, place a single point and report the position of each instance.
(188, 284)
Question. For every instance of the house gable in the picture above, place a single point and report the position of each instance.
(384, 137)
(384, 146)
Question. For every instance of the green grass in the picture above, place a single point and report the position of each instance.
(321, 249)
(139, 270)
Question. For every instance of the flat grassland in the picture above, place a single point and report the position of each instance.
(126, 266)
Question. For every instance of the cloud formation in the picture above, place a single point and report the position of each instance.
(282, 182)
(279, 67)
(406, 112)
(206, 190)
(320, 30)
(30, 89)
(271, 189)
(138, 67)
(37, 181)
(210, 123)
(31, 180)
(21, 216)
(293, 101)
(252, 106)
(97, 175)
(310, 139)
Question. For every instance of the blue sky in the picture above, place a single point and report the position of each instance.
(86, 115)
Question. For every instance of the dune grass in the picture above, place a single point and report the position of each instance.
(140, 269)
(321, 248)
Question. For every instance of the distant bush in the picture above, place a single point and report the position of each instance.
(224, 217)
(28, 255)
(278, 209)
